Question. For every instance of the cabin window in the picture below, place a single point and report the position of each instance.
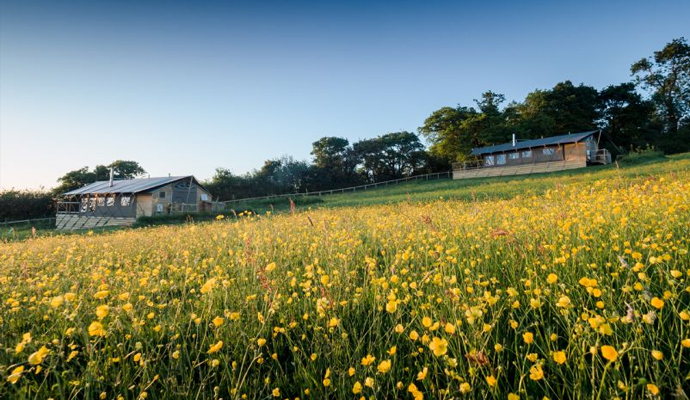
(527, 154)
(92, 204)
(204, 197)
(489, 160)
(549, 151)
(500, 159)
(161, 195)
(84, 204)
(125, 201)
(100, 201)
(514, 156)
(110, 201)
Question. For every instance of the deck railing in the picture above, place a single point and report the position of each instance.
(68, 207)
(601, 156)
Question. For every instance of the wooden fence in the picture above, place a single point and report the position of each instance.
(427, 177)
(11, 224)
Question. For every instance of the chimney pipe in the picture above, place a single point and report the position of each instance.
(110, 182)
(514, 140)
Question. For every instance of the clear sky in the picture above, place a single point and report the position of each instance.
(184, 87)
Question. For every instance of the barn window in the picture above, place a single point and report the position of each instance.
(489, 160)
(549, 151)
(514, 156)
(500, 159)
(92, 204)
(125, 201)
(110, 201)
(84, 204)
(100, 201)
(161, 194)
(527, 154)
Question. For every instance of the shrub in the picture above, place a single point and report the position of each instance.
(25, 204)
(642, 156)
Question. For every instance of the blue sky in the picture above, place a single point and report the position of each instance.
(185, 87)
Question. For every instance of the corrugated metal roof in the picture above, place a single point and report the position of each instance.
(525, 144)
(126, 186)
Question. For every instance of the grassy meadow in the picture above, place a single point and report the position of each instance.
(564, 286)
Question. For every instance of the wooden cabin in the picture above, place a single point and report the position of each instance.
(518, 157)
(121, 202)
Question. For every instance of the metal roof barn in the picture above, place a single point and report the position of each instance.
(532, 143)
(112, 202)
(126, 186)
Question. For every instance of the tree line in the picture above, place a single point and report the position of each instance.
(653, 108)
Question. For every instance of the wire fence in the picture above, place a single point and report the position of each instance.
(50, 221)
(426, 177)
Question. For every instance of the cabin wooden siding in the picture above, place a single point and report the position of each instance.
(144, 205)
(523, 156)
(564, 157)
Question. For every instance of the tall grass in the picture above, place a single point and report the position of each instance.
(580, 291)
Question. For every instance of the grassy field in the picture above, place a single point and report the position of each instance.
(566, 286)
(476, 189)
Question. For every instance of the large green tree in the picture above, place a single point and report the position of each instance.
(566, 108)
(80, 177)
(667, 76)
(626, 118)
(449, 134)
(330, 152)
(390, 156)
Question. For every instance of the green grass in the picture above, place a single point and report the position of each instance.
(24, 232)
(636, 165)
(480, 188)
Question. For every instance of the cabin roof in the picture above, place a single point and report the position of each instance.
(526, 144)
(128, 185)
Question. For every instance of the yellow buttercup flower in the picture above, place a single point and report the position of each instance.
(528, 337)
(96, 329)
(37, 357)
(609, 353)
(416, 393)
(559, 357)
(652, 389)
(215, 347)
(15, 374)
(552, 278)
(535, 372)
(384, 366)
(438, 346)
(102, 311)
(368, 360)
(56, 301)
(391, 306)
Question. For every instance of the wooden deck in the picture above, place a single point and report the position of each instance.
(69, 222)
(537, 168)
